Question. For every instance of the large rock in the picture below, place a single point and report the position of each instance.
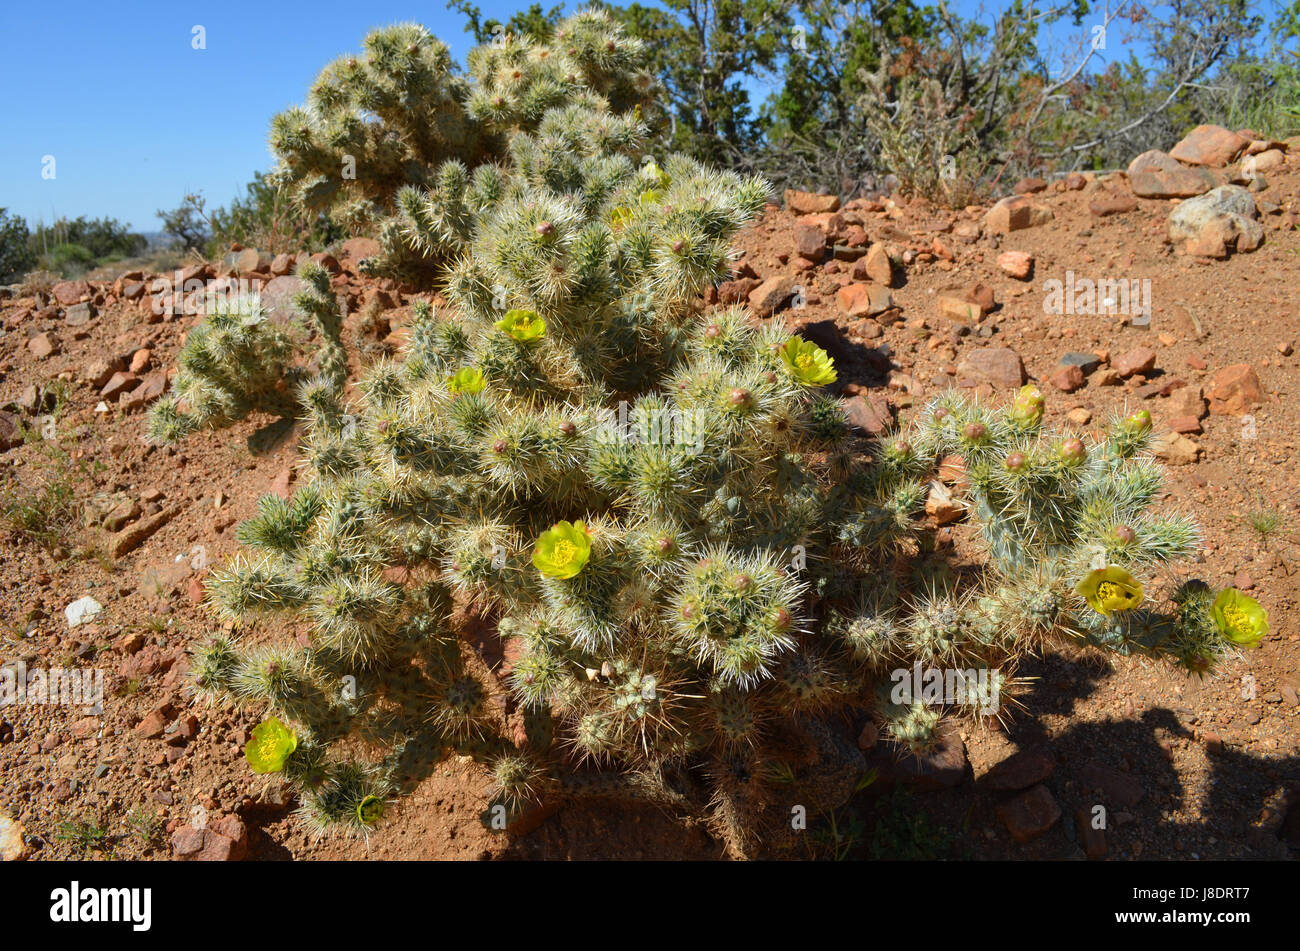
(68, 293)
(356, 250)
(1020, 770)
(225, 840)
(13, 847)
(997, 365)
(1015, 214)
(1030, 814)
(770, 296)
(276, 298)
(808, 203)
(864, 300)
(1155, 174)
(1235, 390)
(1227, 215)
(1211, 145)
(1153, 160)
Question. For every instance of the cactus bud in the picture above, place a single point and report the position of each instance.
(679, 246)
(742, 582)
(975, 432)
(1016, 461)
(940, 414)
(1027, 408)
(1072, 451)
(713, 331)
(739, 397)
(769, 377)
(568, 427)
(1138, 422)
(1125, 534)
(545, 228)
(500, 446)
(666, 545)
(783, 619)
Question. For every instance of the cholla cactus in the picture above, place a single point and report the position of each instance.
(388, 117)
(696, 566)
(236, 362)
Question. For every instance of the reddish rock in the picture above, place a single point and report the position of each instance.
(1187, 425)
(251, 259)
(68, 293)
(140, 360)
(1030, 814)
(808, 203)
(1176, 449)
(1187, 401)
(863, 300)
(877, 266)
(1067, 379)
(1017, 264)
(1179, 182)
(1015, 214)
(1210, 145)
(941, 506)
(1235, 390)
(810, 242)
(281, 265)
(225, 840)
(1106, 205)
(770, 296)
(1029, 186)
(957, 308)
(151, 388)
(327, 261)
(872, 413)
(118, 384)
(999, 366)
(44, 345)
(356, 250)
(1140, 360)
(1121, 790)
(154, 724)
(1020, 771)
(737, 291)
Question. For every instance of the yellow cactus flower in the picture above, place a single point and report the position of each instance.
(562, 550)
(370, 810)
(1110, 589)
(466, 380)
(522, 325)
(1239, 617)
(271, 745)
(807, 362)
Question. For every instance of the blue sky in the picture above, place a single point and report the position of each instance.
(134, 116)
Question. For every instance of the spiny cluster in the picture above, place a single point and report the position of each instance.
(390, 116)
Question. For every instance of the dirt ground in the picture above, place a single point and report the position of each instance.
(1188, 768)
